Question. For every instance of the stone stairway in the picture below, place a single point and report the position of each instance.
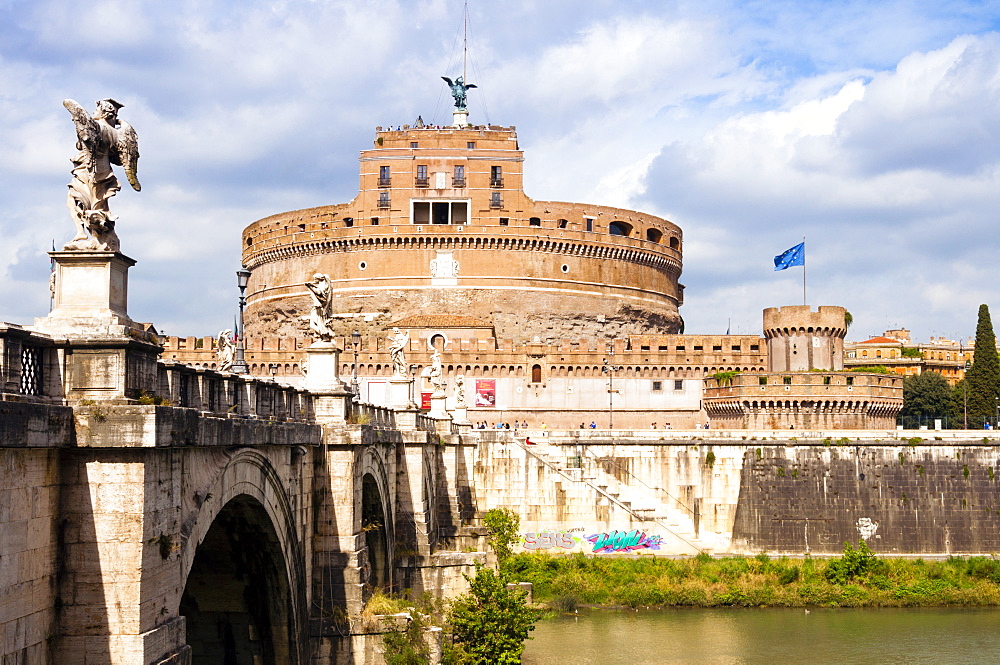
(643, 503)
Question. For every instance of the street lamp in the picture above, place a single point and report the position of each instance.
(240, 364)
(355, 385)
(610, 370)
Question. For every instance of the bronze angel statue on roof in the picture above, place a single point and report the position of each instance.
(458, 90)
(102, 140)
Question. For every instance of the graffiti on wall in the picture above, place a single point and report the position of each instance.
(624, 541)
(546, 540)
(600, 543)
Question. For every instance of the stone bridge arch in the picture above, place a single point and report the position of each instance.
(242, 568)
(376, 518)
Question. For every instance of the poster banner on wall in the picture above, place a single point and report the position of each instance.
(425, 400)
(486, 393)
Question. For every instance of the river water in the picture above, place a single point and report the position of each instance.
(768, 637)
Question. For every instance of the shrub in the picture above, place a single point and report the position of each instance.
(855, 563)
(490, 623)
(503, 527)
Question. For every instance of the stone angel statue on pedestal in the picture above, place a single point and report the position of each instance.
(102, 140)
(398, 341)
(225, 350)
(322, 311)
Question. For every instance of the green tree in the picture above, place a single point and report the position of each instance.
(925, 397)
(502, 531)
(984, 376)
(490, 623)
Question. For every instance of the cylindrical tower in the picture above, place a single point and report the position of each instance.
(441, 226)
(800, 340)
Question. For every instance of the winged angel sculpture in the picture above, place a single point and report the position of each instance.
(459, 88)
(102, 140)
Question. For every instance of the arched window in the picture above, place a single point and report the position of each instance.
(536, 373)
(619, 228)
(653, 235)
(674, 243)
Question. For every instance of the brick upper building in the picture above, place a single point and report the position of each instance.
(441, 225)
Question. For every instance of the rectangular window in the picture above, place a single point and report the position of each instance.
(440, 212)
(698, 347)
(644, 348)
(496, 176)
(504, 221)
(471, 145)
(590, 223)
(383, 199)
(736, 348)
(850, 380)
(563, 223)
(678, 384)
(661, 348)
(496, 200)
(755, 347)
(374, 221)
(787, 380)
(680, 347)
(384, 176)
(657, 386)
(422, 175)
(413, 145)
(826, 380)
(762, 380)
(459, 178)
(717, 348)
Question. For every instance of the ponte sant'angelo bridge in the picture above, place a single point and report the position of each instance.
(153, 512)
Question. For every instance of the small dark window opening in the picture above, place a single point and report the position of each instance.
(850, 380)
(536, 373)
(374, 221)
(661, 348)
(657, 386)
(644, 348)
(674, 243)
(787, 380)
(716, 348)
(678, 384)
(535, 221)
(826, 380)
(755, 347)
(413, 145)
(504, 221)
(619, 229)
(590, 224)
(563, 223)
(736, 348)
(471, 145)
(762, 380)
(348, 222)
(698, 347)
(653, 235)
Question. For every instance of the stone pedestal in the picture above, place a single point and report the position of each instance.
(106, 355)
(91, 294)
(461, 415)
(323, 374)
(400, 390)
(461, 118)
(438, 406)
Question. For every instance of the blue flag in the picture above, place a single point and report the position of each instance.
(796, 256)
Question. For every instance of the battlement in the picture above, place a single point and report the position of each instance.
(796, 319)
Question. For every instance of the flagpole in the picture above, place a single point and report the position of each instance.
(804, 301)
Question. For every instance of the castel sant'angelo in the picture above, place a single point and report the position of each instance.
(553, 313)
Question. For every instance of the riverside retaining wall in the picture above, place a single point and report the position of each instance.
(763, 491)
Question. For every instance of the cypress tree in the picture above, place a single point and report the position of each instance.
(984, 376)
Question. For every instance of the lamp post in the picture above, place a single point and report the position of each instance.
(610, 370)
(355, 385)
(240, 364)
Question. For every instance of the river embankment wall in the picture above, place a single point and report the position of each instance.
(782, 492)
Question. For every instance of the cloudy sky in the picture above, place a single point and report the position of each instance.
(870, 128)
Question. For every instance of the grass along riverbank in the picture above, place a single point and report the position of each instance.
(857, 579)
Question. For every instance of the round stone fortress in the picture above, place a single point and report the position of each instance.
(441, 226)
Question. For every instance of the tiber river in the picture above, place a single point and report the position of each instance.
(768, 637)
